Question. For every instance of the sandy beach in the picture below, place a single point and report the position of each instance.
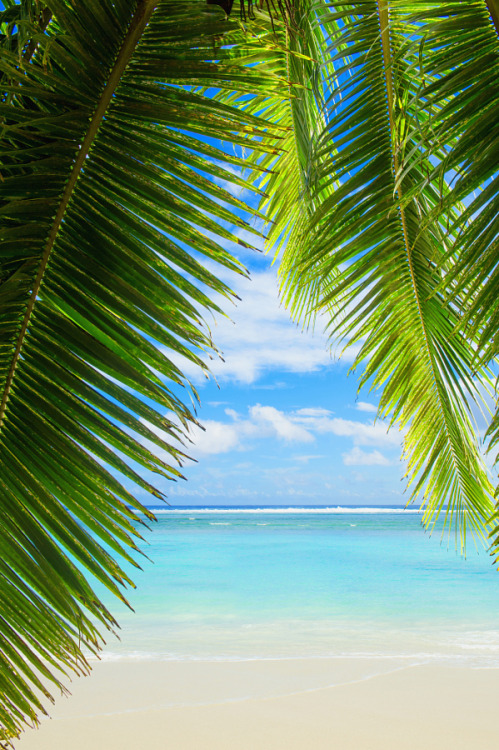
(293, 704)
(268, 631)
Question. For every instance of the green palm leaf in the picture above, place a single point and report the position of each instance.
(366, 255)
(463, 98)
(107, 213)
(294, 49)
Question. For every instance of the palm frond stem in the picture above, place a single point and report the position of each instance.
(290, 103)
(138, 23)
(384, 22)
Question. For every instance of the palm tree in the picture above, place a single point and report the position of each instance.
(367, 143)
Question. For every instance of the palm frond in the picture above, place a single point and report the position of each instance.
(461, 93)
(459, 44)
(289, 176)
(107, 214)
(370, 260)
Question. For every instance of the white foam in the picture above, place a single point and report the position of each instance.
(476, 661)
(290, 510)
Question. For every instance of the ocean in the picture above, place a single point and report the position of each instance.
(280, 583)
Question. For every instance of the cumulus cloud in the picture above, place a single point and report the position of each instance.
(300, 426)
(261, 422)
(217, 437)
(358, 457)
(258, 336)
(283, 427)
(364, 406)
(362, 433)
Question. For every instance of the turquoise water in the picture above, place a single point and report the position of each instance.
(280, 584)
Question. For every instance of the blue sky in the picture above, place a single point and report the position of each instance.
(283, 422)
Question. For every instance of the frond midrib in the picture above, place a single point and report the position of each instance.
(383, 16)
(136, 28)
(290, 103)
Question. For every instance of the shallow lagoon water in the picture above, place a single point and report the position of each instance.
(297, 583)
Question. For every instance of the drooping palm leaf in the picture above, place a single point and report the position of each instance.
(462, 94)
(106, 211)
(460, 49)
(459, 69)
(296, 52)
(369, 258)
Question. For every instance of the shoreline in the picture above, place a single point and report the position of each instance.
(289, 704)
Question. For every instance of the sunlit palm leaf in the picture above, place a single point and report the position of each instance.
(463, 99)
(107, 211)
(369, 259)
(459, 89)
(462, 94)
(297, 52)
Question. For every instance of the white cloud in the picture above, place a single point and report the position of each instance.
(262, 422)
(283, 427)
(314, 412)
(301, 426)
(362, 433)
(306, 458)
(277, 386)
(259, 336)
(364, 406)
(358, 457)
(217, 437)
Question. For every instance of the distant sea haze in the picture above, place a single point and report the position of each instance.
(267, 582)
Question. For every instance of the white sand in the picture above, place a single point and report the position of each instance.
(321, 704)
